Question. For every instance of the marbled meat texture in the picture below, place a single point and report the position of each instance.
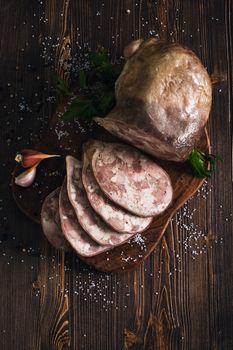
(118, 218)
(50, 221)
(88, 219)
(74, 233)
(163, 98)
(132, 180)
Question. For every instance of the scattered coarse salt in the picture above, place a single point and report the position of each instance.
(139, 240)
(89, 285)
(61, 134)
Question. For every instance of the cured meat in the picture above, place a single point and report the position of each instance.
(118, 218)
(50, 221)
(131, 179)
(163, 99)
(88, 219)
(72, 230)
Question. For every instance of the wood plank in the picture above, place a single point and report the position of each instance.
(20, 240)
(220, 264)
(180, 298)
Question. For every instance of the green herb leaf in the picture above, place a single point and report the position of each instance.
(96, 87)
(82, 79)
(199, 162)
(90, 106)
(106, 103)
(85, 108)
(62, 87)
(98, 58)
(108, 73)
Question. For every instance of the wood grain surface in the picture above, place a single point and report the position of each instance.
(181, 296)
(130, 254)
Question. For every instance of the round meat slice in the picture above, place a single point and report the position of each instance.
(50, 221)
(88, 219)
(75, 235)
(118, 218)
(131, 179)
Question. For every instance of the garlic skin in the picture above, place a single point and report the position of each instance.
(29, 157)
(26, 178)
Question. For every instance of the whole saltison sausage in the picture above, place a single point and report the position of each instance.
(163, 98)
(131, 179)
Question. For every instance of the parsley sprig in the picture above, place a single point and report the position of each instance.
(91, 105)
(95, 88)
(62, 88)
(202, 164)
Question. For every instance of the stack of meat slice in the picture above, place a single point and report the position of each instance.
(105, 200)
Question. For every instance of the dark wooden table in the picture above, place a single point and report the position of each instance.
(182, 296)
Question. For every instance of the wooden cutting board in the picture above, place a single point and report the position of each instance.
(67, 138)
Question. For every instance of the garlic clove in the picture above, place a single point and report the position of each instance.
(30, 157)
(26, 178)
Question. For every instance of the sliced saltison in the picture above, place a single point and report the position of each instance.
(88, 219)
(74, 233)
(50, 221)
(131, 179)
(115, 216)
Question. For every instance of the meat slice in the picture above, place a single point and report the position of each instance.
(88, 219)
(163, 98)
(75, 235)
(50, 221)
(117, 217)
(131, 179)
